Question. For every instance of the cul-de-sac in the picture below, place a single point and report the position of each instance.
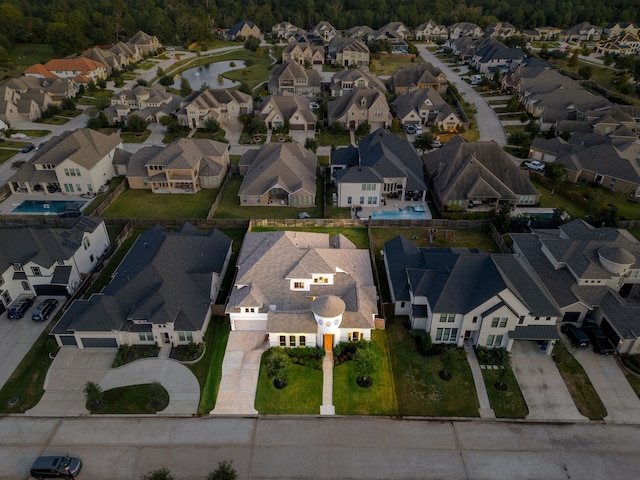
(319, 241)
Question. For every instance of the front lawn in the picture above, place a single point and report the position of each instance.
(327, 138)
(379, 398)
(134, 137)
(389, 64)
(582, 392)
(141, 399)
(302, 395)
(35, 133)
(508, 403)
(146, 204)
(230, 205)
(6, 154)
(419, 389)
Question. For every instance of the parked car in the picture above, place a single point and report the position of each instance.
(410, 128)
(17, 311)
(576, 336)
(40, 145)
(42, 311)
(418, 129)
(314, 105)
(436, 144)
(535, 165)
(28, 148)
(56, 467)
(599, 340)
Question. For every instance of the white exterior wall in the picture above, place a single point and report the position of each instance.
(311, 339)
(95, 177)
(354, 190)
(97, 243)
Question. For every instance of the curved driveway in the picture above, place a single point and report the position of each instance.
(487, 120)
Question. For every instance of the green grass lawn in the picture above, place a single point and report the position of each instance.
(580, 387)
(327, 138)
(357, 235)
(256, 69)
(35, 133)
(6, 154)
(634, 381)
(132, 137)
(387, 65)
(302, 395)
(208, 370)
(146, 204)
(141, 399)
(419, 389)
(510, 129)
(380, 398)
(505, 404)
(92, 98)
(57, 120)
(23, 56)
(230, 205)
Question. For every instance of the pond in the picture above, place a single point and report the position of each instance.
(209, 74)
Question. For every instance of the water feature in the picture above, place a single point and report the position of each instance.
(47, 206)
(407, 213)
(211, 74)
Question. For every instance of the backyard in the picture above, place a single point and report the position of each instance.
(146, 204)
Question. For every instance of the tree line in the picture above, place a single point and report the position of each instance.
(72, 25)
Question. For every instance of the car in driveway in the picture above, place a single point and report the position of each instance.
(576, 336)
(18, 309)
(601, 344)
(28, 148)
(62, 466)
(43, 310)
(535, 165)
(410, 128)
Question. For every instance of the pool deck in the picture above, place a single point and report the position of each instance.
(11, 202)
(394, 206)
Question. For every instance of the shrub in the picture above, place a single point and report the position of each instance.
(632, 362)
(310, 357)
(422, 340)
(492, 356)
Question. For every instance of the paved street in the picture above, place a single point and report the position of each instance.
(323, 448)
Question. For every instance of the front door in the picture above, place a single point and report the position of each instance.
(328, 342)
(167, 339)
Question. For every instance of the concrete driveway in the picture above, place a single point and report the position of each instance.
(613, 388)
(240, 369)
(541, 384)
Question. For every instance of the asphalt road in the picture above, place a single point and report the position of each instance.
(117, 448)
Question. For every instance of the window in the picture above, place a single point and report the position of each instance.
(86, 243)
(185, 336)
(498, 341)
(521, 321)
(439, 334)
(283, 341)
(503, 322)
(303, 341)
(146, 336)
(78, 187)
(494, 322)
(292, 340)
(475, 320)
(298, 284)
(355, 336)
(6, 297)
(537, 318)
(1, 281)
(35, 271)
(250, 310)
(447, 317)
(447, 334)
(490, 340)
(91, 258)
(17, 267)
(361, 200)
(349, 200)
(401, 303)
(25, 286)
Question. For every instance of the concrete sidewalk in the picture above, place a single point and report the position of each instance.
(481, 389)
(327, 407)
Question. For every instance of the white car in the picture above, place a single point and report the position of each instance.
(535, 165)
(418, 129)
(314, 105)
(410, 128)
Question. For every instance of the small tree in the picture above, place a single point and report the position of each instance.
(224, 472)
(424, 141)
(277, 366)
(556, 174)
(365, 361)
(252, 43)
(68, 104)
(364, 128)
(585, 71)
(159, 474)
(185, 87)
(172, 125)
(93, 394)
(211, 125)
(166, 80)
(311, 144)
(502, 361)
(448, 359)
(136, 123)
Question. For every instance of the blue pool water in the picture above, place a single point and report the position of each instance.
(408, 213)
(47, 206)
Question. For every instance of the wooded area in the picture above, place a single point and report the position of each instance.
(72, 25)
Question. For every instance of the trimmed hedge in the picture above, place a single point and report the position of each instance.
(307, 356)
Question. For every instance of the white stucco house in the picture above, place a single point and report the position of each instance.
(303, 289)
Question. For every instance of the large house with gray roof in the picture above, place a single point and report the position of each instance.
(293, 79)
(278, 174)
(160, 294)
(457, 295)
(360, 106)
(149, 103)
(383, 166)
(592, 274)
(74, 162)
(49, 261)
(303, 289)
(422, 75)
(221, 105)
(426, 106)
(346, 81)
(476, 175)
(278, 110)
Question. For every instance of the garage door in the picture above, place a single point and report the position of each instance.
(68, 340)
(251, 325)
(571, 317)
(51, 290)
(610, 331)
(99, 342)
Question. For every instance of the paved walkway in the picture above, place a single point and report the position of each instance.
(240, 369)
(542, 386)
(327, 407)
(481, 389)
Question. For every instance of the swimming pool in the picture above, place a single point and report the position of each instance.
(417, 212)
(48, 206)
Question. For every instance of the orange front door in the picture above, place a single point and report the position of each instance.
(328, 342)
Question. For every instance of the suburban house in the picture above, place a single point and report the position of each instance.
(431, 32)
(422, 75)
(243, 30)
(345, 81)
(621, 44)
(284, 30)
(398, 29)
(466, 47)
(293, 79)
(160, 294)
(476, 175)
(278, 174)
(304, 54)
(149, 103)
(24, 99)
(398, 43)
(325, 31)
(383, 166)
(547, 33)
(464, 29)
(427, 107)
(363, 32)
(617, 28)
(82, 70)
(145, 43)
(183, 166)
(130, 50)
(457, 295)
(494, 55)
(303, 289)
(347, 52)
(501, 29)
(581, 32)
(595, 276)
(76, 161)
(37, 260)
(274, 109)
(222, 105)
(360, 106)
